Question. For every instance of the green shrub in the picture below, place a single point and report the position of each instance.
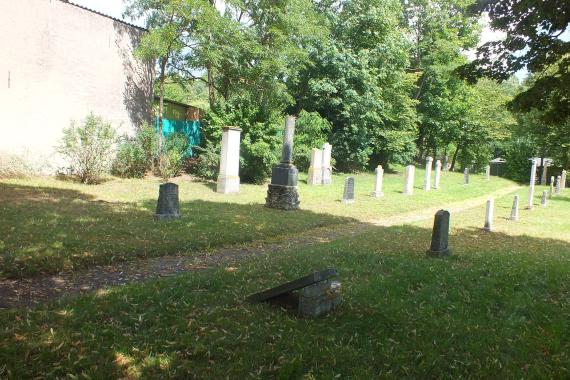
(171, 160)
(207, 164)
(518, 153)
(136, 155)
(88, 148)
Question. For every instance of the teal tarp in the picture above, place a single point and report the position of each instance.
(190, 128)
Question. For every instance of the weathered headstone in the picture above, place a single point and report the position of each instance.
(543, 177)
(489, 215)
(228, 178)
(167, 206)
(445, 165)
(427, 176)
(543, 201)
(437, 174)
(326, 164)
(551, 188)
(466, 176)
(488, 172)
(563, 180)
(379, 181)
(515, 208)
(440, 235)
(409, 180)
(532, 183)
(282, 191)
(315, 174)
(348, 196)
(558, 185)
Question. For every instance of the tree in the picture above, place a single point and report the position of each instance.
(533, 41)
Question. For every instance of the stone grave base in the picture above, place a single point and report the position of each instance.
(319, 298)
(282, 197)
(228, 185)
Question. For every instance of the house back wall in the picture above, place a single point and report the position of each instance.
(60, 62)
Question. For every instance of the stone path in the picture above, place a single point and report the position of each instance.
(31, 292)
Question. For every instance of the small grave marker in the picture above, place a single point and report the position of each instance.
(348, 196)
(440, 235)
(167, 206)
(515, 208)
(489, 215)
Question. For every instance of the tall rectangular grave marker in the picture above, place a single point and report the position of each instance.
(409, 180)
(348, 196)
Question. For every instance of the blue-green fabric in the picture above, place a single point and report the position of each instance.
(190, 128)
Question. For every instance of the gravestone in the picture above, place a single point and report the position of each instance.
(409, 180)
(326, 164)
(515, 208)
(466, 176)
(228, 179)
(445, 165)
(489, 215)
(427, 175)
(551, 188)
(563, 180)
(318, 294)
(379, 181)
(543, 201)
(488, 172)
(348, 196)
(167, 206)
(315, 174)
(543, 177)
(440, 235)
(532, 183)
(437, 174)
(282, 191)
(558, 184)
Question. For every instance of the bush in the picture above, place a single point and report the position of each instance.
(207, 164)
(171, 160)
(88, 148)
(136, 156)
(20, 165)
(518, 154)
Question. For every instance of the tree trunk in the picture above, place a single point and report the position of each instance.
(454, 158)
(211, 89)
(161, 102)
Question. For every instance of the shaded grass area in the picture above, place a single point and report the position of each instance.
(49, 225)
(498, 308)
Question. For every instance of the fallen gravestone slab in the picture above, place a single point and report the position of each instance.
(318, 295)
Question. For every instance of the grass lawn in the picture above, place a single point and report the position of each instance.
(498, 308)
(49, 225)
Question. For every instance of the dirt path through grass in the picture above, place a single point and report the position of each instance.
(31, 292)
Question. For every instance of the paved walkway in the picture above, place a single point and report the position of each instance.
(31, 292)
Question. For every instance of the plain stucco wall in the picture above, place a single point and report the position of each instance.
(60, 62)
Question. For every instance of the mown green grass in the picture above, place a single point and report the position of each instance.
(498, 308)
(49, 225)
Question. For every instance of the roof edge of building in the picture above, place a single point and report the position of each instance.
(104, 15)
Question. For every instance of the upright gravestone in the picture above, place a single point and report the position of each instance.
(563, 180)
(543, 177)
(445, 163)
(551, 188)
(440, 235)
(515, 208)
(532, 183)
(348, 196)
(379, 181)
(282, 191)
(326, 164)
(409, 180)
(427, 176)
(167, 206)
(489, 215)
(543, 201)
(488, 172)
(558, 184)
(437, 174)
(315, 175)
(228, 179)
(466, 176)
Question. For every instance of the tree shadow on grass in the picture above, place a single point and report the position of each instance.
(46, 230)
(492, 309)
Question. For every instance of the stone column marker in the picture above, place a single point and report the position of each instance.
(282, 191)
(439, 246)
(466, 176)
(437, 174)
(531, 187)
(551, 188)
(488, 172)
(379, 181)
(315, 175)
(489, 215)
(348, 196)
(409, 180)
(543, 201)
(558, 184)
(228, 178)
(445, 162)
(326, 164)
(427, 176)
(543, 177)
(167, 206)
(563, 179)
(515, 208)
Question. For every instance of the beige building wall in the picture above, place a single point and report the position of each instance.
(59, 62)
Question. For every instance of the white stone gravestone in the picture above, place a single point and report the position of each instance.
(544, 175)
(326, 164)
(379, 181)
(228, 178)
(543, 201)
(563, 180)
(488, 172)
(437, 174)
(551, 189)
(409, 180)
(489, 215)
(558, 184)
(515, 208)
(315, 175)
(531, 185)
(427, 176)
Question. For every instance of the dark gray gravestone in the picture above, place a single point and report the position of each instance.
(348, 196)
(289, 287)
(440, 235)
(167, 206)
